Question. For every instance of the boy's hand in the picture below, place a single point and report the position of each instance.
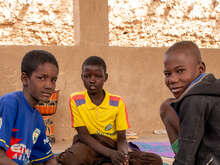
(126, 160)
(4, 160)
(118, 158)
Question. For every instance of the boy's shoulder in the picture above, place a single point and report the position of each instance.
(114, 100)
(80, 98)
(114, 96)
(208, 86)
(78, 95)
(11, 97)
(10, 102)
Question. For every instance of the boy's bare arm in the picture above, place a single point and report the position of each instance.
(170, 119)
(116, 156)
(4, 159)
(122, 142)
(122, 145)
(52, 161)
(167, 112)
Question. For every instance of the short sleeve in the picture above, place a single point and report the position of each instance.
(41, 150)
(122, 122)
(8, 109)
(75, 114)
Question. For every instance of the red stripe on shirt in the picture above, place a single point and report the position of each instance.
(72, 119)
(78, 97)
(127, 116)
(126, 113)
(114, 98)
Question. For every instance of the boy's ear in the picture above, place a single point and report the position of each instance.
(106, 76)
(24, 78)
(202, 67)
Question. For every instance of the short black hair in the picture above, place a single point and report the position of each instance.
(34, 58)
(95, 60)
(187, 47)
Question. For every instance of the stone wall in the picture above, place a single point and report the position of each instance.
(136, 23)
(36, 22)
(160, 23)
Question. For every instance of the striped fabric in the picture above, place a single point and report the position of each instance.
(114, 101)
(79, 99)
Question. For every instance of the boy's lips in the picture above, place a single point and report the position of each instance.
(92, 87)
(176, 89)
(46, 94)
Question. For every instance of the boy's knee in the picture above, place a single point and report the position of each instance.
(77, 154)
(137, 157)
(154, 159)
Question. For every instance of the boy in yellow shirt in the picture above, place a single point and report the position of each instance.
(100, 119)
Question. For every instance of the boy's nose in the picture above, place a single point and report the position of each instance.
(92, 79)
(173, 78)
(49, 85)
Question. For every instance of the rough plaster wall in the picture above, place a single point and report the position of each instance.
(158, 23)
(36, 22)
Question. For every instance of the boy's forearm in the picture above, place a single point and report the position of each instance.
(122, 144)
(123, 147)
(4, 159)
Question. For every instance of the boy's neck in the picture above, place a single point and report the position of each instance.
(97, 98)
(30, 99)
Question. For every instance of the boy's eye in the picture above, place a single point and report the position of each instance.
(85, 75)
(180, 70)
(54, 80)
(41, 78)
(167, 74)
(99, 76)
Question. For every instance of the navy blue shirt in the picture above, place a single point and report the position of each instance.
(22, 130)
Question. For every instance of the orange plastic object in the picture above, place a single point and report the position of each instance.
(50, 107)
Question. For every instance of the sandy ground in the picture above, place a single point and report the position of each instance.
(60, 146)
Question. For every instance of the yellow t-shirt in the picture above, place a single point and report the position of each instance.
(107, 118)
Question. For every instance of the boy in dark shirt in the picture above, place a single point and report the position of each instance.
(192, 118)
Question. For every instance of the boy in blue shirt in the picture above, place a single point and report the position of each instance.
(22, 129)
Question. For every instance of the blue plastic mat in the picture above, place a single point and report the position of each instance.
(161, 148)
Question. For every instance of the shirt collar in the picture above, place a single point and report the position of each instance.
(197, 79)
(192, 84)
(91, 105)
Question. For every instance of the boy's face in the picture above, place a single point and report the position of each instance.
(180, 70)
(93, 77)
(41, 84)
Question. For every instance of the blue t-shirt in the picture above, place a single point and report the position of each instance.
(22, 130)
